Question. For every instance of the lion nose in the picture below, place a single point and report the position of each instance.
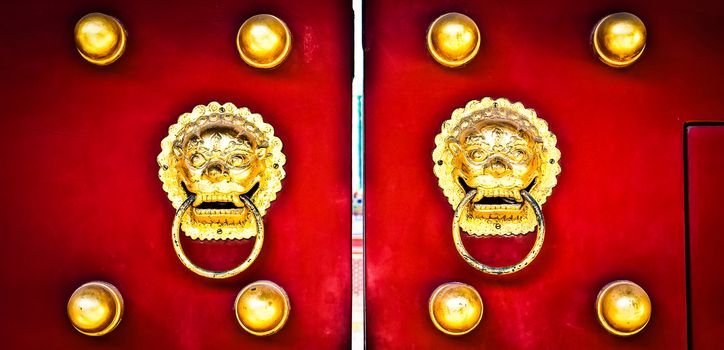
(498, 167)
(215, 172)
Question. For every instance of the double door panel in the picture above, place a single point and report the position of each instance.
(83, 200)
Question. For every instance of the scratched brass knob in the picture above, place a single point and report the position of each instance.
(264, 41)
(100, 39)
(623, 308)
(453, 39)
(262, 308)
(455, 308)
(95, 308)
(619, 39)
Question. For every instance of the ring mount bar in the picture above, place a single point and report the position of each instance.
(506, 269)
(176, 237)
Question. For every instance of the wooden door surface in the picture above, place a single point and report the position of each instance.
(83, 200)
(618, 209)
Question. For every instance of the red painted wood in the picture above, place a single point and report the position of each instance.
(705, 163)
(617, 212)
(82, 198)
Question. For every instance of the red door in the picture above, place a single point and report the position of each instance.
(83, 200)
(618, 209)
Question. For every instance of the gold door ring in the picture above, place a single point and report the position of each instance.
(176, 237)
(506, 269)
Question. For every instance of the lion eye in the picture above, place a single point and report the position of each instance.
(237, 160)
(477, 155)
(519, 155)
(197, 160)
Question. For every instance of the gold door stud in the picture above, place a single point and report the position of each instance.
(453, 39)
(262, 308)
(619, 39)
(455, 308)
(100, 39)
(264, 41)
(95, 308)
(623, 308)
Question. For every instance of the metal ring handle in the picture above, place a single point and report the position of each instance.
(175, 236)
(506, 269)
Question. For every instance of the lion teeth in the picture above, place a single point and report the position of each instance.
(232, 198)
(233, 216)
(218, 211)
(493, 207)
(501, 193)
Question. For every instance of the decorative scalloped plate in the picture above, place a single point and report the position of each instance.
(482, 113)
(170, 171)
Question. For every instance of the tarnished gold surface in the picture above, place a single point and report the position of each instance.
(623, 308)
(264, 41)
(455, 308)
(219, 164)
(453, 39)
(99, 38)
(95, 308)
(262, 308)
(619, 39)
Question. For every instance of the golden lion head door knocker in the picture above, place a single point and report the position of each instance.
(221, 167)
(497, 163)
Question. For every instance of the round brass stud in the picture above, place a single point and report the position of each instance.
(455, 308)
(264, 41)
(619, 39)
(623, 308)
(95, 308)
(262, 308)
(99, 38)
(453, 39)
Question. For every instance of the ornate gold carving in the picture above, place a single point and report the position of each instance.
(497, 148)
(218, 153)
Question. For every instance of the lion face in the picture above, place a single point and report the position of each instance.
(498, 159)
(218, 164)
(218, 153)
(497, 148)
